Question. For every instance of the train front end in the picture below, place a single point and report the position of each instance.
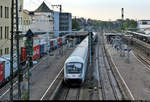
(73, 73)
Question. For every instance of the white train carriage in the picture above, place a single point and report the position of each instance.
(141, 36)
(76, 65)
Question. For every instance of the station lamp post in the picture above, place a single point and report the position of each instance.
(29, 53)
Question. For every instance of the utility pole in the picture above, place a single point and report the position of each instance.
(11, 52)
(60, 9)
(17, 48)
(14, 53)
(14, 47)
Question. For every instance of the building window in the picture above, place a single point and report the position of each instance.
(1, 32)
(6, 50)
(6, 32)
(1, 11)
(6, 12)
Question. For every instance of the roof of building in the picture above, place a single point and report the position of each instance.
(43, 8)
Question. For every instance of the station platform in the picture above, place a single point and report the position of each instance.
(135, 74)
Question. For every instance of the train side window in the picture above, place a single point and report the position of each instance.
(144, 23)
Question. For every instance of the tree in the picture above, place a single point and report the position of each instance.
(129, 24)
(75, 25)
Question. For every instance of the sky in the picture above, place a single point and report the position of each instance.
(98, 9)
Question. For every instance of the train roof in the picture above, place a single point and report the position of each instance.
(74, 59)
(80, 53)
(146, 35)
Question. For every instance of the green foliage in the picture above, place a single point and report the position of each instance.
(75, 25)
(128, 23)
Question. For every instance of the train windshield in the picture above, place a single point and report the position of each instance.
(74, 68)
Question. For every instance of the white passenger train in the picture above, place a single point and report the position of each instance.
(76, 65)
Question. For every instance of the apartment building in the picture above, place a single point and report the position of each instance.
(62, 22)
(5, 24)
(65, 21)
(5, 21)
(25, 21)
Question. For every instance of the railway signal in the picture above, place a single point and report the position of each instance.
(29, 52)
(122, 15)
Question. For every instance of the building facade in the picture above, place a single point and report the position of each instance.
(65, 22)
(5, 22)
(42, 19)
(24, 21)
(62, 22)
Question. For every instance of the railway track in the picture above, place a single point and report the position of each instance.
(6, 88)
(58, 90)
(141, 52)
(110, 89)
(143, 59)
(105, 87)
(141, 56)
(67, 93)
